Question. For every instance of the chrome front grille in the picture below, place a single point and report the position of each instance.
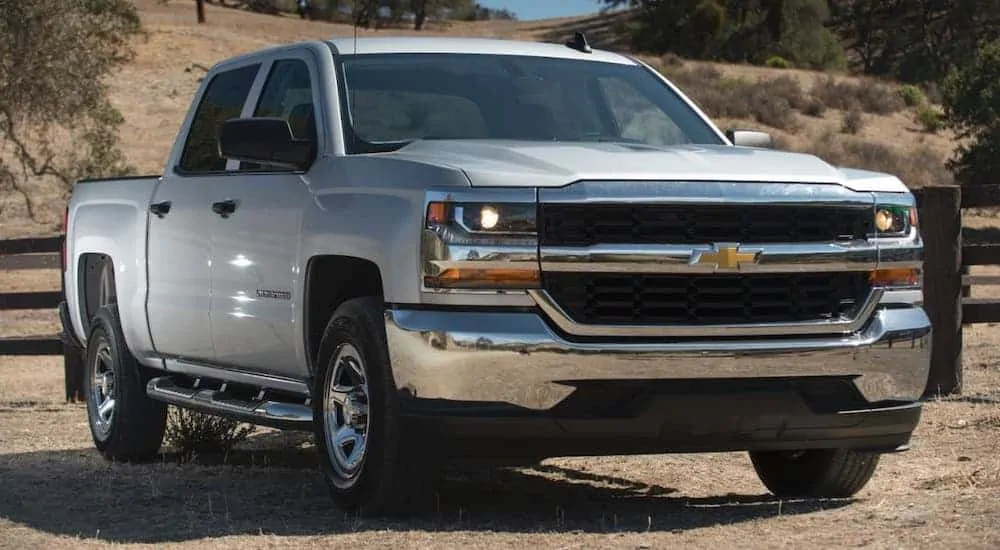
(567, 224)
(717, 299)
(690, 259)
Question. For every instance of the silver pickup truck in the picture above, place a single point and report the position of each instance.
(430, 250)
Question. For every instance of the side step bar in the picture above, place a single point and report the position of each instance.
(275, 414)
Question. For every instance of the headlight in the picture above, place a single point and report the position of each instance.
(483, 219)
(894, 221)
(480, 246)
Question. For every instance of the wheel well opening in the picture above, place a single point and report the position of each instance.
(89, 284)
(331, 281)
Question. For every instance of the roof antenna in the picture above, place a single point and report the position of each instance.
(579, 42)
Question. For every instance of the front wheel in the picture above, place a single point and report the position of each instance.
(367, 461)
(822, 473)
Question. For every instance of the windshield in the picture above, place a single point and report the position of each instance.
(393, 99)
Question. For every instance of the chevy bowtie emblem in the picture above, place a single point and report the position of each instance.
(724, 257)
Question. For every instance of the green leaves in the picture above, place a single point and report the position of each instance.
(56, 123)
(971, 97)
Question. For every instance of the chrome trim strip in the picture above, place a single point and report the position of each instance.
(772, 258)
(559, 316)
(268, 413)
(261, 380)
(709, 192)
(912, 296)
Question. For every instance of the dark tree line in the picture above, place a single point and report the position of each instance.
(912, 40)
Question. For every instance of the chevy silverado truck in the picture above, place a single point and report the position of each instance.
(429, 250)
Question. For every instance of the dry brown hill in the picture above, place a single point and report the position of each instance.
(155, 90)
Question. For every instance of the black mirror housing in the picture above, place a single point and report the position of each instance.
(265, 140)
(750, 138)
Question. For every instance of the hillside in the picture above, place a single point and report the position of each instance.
(155, 91)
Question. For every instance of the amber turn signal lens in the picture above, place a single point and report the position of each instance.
(895, 277)
(437, 213)
(483, 278)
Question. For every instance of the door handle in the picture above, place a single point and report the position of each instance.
(160, 208)
(224, 208)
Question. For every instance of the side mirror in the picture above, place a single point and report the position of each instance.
(265, 140)
(750, 138)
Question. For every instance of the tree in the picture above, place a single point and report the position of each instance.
(971, 99)
(914, 40)
(735, 30)
(56, 123)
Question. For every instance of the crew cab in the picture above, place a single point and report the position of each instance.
(430, 250)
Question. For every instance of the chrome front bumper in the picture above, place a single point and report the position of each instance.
(517, 359)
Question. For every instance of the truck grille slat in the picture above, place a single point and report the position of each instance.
(587, 224)
(648, 299)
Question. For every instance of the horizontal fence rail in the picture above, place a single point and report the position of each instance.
(32, 253)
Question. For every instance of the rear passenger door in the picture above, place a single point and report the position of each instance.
(180, 244)
(256, 247)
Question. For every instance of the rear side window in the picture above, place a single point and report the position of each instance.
(223, 100)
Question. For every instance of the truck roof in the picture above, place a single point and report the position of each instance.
(491, 46)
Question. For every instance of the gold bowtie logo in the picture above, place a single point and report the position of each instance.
(726, 257)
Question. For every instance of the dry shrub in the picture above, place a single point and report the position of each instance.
(868, 95)
(194, 433)
(671, 59)
(853, 123)
(784, 87)
(768, 101)
(772, 110)
(815, 107)
(917, 167)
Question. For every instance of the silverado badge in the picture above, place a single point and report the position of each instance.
(724, 257)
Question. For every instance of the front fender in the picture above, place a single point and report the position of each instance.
(376, 214)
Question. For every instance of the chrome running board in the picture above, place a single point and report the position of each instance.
(256, 410)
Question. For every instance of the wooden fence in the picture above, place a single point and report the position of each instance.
(39, 254)
(949, 250)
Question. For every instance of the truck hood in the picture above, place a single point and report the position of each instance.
(489, 163)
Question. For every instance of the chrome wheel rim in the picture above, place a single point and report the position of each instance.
(345, 414)
(102, 389)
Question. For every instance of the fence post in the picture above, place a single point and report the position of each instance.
(73, 373)
(941, 226)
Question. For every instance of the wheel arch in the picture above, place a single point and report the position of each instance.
(330, 281)
(91, 268)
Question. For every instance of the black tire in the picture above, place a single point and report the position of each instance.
(822, 473)
(388, 480)
(133, 432)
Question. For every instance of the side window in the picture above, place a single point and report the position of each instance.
(223, 100)
(637, 117)
(287, 94)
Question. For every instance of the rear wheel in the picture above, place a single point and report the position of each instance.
(125, 423)
(821, 473)
(367, 460)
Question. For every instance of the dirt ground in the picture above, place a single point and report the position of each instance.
(56, 492)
